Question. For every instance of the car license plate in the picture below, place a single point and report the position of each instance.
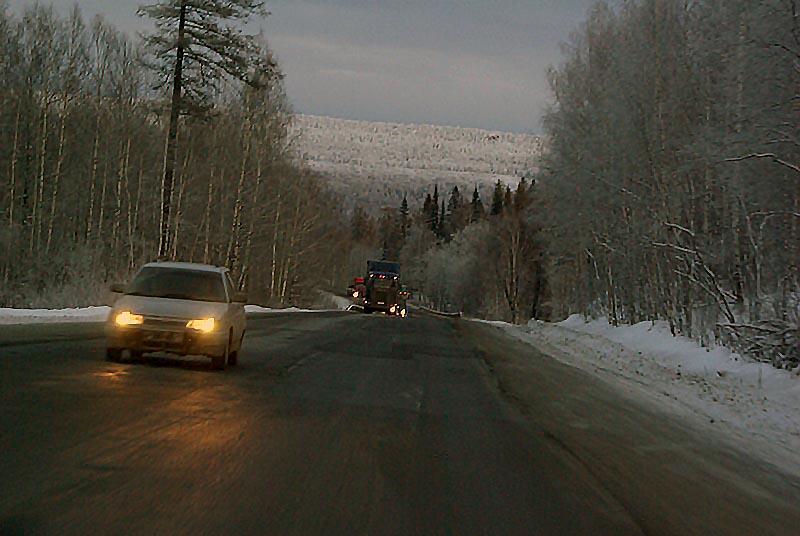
(161, 336)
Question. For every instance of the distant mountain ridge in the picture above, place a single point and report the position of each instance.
(378, 162)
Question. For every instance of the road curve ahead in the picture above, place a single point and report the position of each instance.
(338, 423)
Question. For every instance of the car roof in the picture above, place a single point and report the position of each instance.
(187, 266)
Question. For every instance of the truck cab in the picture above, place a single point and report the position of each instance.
(384, 292)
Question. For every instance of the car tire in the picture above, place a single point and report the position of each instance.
(233, 355)
(218, 362)
(233, 358)
(114, 355)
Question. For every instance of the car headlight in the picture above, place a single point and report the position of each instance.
(126, 318)
(205, 325)
(355, 294)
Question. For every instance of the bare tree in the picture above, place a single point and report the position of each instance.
(195, 47)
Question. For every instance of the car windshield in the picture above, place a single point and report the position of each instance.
(179, 284)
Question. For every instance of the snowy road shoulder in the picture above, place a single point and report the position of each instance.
(53, 316)
(751, 402)
(100, 314)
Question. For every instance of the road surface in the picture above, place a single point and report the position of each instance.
(339, 423)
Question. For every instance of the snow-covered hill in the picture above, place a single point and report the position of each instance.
(381, 162)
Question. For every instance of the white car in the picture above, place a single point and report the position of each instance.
(180, 308)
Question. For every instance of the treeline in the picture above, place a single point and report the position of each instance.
(82, 141)
(672, 176)
(457, 254)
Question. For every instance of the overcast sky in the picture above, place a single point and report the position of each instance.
(475, 63)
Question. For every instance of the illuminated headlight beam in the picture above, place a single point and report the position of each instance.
(126, 318)
(206, 325)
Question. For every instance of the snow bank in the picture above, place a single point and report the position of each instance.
(47, 316)
(751, 401)
(686, 356)
(97, 314)
(259, 309)
(339, 303)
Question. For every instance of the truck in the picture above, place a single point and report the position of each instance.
(384, 291)
(358, 291)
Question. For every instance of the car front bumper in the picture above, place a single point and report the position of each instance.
(175, 341)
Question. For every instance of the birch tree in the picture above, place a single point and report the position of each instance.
(196, 46)
(671, 177)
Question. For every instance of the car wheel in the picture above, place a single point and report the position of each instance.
(114, 355)
(233, 358)
(218, 362)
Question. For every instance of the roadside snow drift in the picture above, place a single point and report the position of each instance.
(100, 314)
(47, 316)
(752, 401)
(264, 310)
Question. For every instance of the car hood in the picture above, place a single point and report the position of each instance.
(170, 308)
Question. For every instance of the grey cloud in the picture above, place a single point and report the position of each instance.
(475, 63)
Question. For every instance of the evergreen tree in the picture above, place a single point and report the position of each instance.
(435, 210)
(443, 228)
(426, 207)
(521, 197)
(428, 213)
(195, 46)
(457, 212)
(497, 199)
(508, 199)
(404, 219)
(477, 211)
(455, 202)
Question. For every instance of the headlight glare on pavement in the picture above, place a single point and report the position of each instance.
(206, 325)
(126, 318)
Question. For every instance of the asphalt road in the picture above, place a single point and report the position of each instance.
(341, 423)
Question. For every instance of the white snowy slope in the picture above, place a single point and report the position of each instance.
(382, 162)
(754, 403)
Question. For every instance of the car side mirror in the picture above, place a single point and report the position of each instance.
(118, 288)
(240, 297)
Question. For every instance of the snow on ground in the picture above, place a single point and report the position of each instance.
(100, 314)
(338, 303)
(259, 309)
(750, 401)
(47, 316)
